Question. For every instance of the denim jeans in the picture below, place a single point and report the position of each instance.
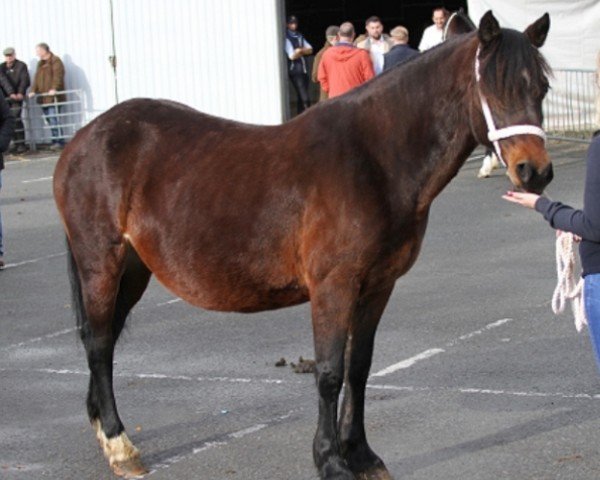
(1, 244)
(54, 121)
(591, 296)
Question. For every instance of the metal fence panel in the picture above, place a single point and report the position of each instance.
(570, 108)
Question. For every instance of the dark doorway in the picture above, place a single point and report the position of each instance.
(316, 15)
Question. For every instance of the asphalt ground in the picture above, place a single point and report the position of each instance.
(486, 382)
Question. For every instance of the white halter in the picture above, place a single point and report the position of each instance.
(494, 134)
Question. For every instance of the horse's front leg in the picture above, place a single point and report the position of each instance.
(332, 304)
(363, 462)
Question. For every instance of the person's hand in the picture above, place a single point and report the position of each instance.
(52, 91)
(526, 199)
(13, 96)
(576, 238)
(31, 94)
(19, 96)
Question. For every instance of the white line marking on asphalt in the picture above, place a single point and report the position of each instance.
(434, 351)
(473, 158)
(475, 333)
(373, 386)
(160, 376)
(409, 362)
(486, 391)
(43, 337)
(33, 260)
(218, 443)
(170, 302)
(248, 431)
(35, 180)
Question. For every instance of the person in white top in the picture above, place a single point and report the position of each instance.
(376, 42)
(433, 35)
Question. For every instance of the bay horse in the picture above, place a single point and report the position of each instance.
(330, 208)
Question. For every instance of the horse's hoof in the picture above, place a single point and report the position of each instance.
(375, 474)
(131, 468)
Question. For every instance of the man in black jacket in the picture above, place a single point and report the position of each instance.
(7, 126)
(17, 75)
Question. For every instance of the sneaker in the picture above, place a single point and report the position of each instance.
(21, 149)
(56, 147)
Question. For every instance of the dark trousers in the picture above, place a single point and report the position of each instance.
(300, 83)
(16, 108)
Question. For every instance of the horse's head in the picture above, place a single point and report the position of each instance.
(511, 82)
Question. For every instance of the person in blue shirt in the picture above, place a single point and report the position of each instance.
(584, 223)
(297, 49)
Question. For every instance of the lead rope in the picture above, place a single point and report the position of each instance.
(566, 287)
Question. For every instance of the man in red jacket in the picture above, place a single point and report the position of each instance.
(344, 66)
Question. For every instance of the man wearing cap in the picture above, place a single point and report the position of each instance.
(17, 75)
(297, 49)
(400, 51)
(330, 39)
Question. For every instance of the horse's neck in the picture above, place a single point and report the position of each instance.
(430, 136)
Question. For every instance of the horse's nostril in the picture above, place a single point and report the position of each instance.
(524, 171)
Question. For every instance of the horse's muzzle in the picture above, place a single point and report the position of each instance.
(533, 180)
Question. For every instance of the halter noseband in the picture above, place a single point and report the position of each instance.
(494, 134)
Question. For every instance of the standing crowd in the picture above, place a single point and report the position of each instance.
(49, 79)
(346, 61)
(16, 87)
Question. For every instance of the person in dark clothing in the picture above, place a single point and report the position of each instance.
(401, 51)
(7, 125)
(584, 224)
(297, 49)
(16, 73)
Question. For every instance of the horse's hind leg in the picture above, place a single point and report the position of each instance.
(108, 285)
(363, 462)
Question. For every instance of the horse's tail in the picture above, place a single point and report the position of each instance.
(76, 295)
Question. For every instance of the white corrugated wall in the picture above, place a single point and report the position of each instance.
(223, 57)
(77, 31)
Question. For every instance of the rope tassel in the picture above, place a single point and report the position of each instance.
(567, 288)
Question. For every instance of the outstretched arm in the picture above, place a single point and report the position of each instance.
(584, 223)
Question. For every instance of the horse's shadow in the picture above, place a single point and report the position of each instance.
(523, 431)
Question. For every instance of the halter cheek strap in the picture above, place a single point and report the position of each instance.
(496, 134)
(448, 22)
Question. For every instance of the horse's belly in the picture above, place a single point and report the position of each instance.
(225, 286)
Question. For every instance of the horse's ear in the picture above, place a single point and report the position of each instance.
(489, 28)
(538, 31)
